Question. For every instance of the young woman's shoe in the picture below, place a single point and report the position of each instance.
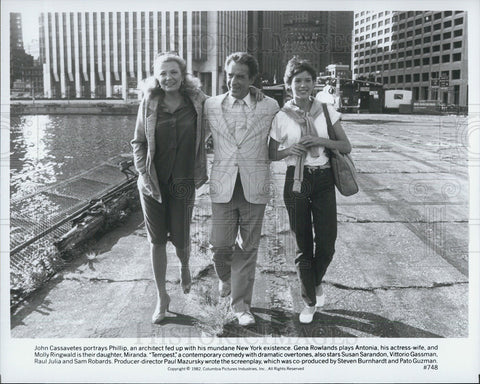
(161, 310)
(306, 316)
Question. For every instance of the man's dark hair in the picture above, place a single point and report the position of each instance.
(295, 66)
(244, 58)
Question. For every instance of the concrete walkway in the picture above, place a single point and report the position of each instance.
(400, 268)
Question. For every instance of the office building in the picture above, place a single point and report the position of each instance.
(107, 54)
(422, 51)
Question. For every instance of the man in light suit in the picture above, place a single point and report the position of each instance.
(239, 180)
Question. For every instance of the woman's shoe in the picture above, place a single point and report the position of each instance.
(185, 278)
(306, 316)
(320, 296)
(161, 310)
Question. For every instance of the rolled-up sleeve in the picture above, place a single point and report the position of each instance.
(139, 142)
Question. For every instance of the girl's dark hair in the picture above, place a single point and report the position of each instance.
(295, 66)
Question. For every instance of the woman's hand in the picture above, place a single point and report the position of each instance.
(296, 150)
(257, 93)
(312, 141)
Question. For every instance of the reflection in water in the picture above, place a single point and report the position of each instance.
(49, 149)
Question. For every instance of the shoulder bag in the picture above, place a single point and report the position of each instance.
(344, 172)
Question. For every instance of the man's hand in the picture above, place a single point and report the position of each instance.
(257, 93)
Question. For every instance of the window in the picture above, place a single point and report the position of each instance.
(401, 45)
(416, 62)
(417, 51)
(425, 76)
(447, 35)
(392, 79)
(387, 30)
(408, 63)
(436, 48)
(457, 57)
(447, 24)
(447, 13)
(408, 78)
(457, 44)
(409, 43)
(362, 29)
(385, 67)
(374, 34)
(367, 36)
(401, 36)
(416, 77)
(387, 39)
(410, 24)
(436, 37)
(393, 55)
(393, 65)
(409, 33)
(374, 25)
(427, 28)
(435, 59)
(426, 50)
(437, 16)
(427, 39)
(400, 64)
(459, 21)
(457, 33)
(400, 78)
(446, 46)
(374, 17)
(380, 23)
(445, 58)
(356, 22)
(385, 80)
(356, 31)
(418, 21)
(380, 32)
(379, 41)
(418, 31)
(367, 28)
(401, 54)
(410, 14)
(408, 53)
(395, 28)
(436, 27)
(426, 61)
(456, 74)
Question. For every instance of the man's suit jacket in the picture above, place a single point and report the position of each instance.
(248, 155)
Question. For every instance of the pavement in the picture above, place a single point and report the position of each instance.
(400, 267)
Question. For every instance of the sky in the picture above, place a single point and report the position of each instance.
(30, 31)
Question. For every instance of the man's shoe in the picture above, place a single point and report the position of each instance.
(306, 316)
(224, 288)
(245, 318)
(320, 296)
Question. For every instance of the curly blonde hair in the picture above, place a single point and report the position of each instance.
(150, 86)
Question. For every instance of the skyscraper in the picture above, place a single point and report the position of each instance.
(107, 54)
(423, 51)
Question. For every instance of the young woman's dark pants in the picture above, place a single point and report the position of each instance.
(315, 204)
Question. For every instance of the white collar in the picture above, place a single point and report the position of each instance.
(247, 99)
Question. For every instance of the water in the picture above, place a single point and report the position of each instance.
(47, 149)
(48, 155)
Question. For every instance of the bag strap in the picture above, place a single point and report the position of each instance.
(331, 131)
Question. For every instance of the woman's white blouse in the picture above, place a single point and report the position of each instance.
(287, 132)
